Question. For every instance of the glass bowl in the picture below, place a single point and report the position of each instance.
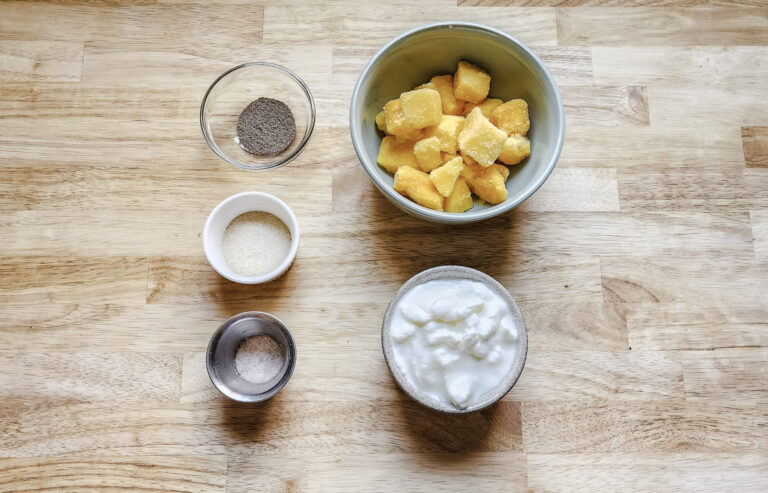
(237, 88)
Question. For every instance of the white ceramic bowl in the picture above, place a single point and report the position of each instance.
(229, 209)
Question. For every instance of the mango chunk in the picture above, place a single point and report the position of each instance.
(448, 132)
(394, 154)
(471, 83)
(512, 117)
(445, 176)
(460, 199)
(418, 187)
(396, 124)
(487, 106)
(444, 85)
(428, 85)
(446, 157)
(381, 121)
(480, 139)
(421, 108)
(487, 183)
(516, 148)
(427, 153)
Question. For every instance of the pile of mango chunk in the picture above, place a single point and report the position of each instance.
(446, 140)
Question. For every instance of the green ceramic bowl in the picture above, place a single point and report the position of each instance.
(435, 49)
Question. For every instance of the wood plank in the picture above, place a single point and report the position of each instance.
(652, 148)
(755, 142)
(726, 375)
(608, 3)
(175, 280)
(697, 65)
(588, 375)
(566, 326)
(169, 68)
(534, 233)
(26, 60)
(759, 220)
(648, 471)
(134, 188)
(374, 427)
(668, 326)
(106, 471)
(662, 426)
(738, 281)
(576, 190)
(717, 105)
(401, 472)
(649, 26)
(605, 105)
(39, 279)
(63, 378)
(154, 27)
(687, 190)
(569, 65)
(374, 27)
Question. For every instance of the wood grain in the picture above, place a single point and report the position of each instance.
(683, 471)
(24, 60)
(755, 141)
(114, 472)
(648, 26)
(640, 266)
(682, 326)
(759, 221)
(739, 281)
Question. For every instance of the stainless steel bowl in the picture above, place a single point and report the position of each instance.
(220, 357)
(455, 272)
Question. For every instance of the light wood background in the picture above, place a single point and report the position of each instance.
(641, 266)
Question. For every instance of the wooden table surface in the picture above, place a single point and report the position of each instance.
(641, 266)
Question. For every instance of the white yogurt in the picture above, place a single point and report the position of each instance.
(454, 339)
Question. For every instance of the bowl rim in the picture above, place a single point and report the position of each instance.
(424, 212)
(213, 342)
(293, 227)
(287, 159)
(455, 272)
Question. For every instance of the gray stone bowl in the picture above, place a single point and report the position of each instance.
(455, 272)
(435, 49)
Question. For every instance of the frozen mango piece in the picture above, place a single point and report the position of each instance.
(418, 187)
(480, 140)
(396, 124)
(487, 183)
(471, 83)
(460, 199)
(487, 106)
(447, 157)
(512, 117)
(516, 148)
(421, 108)
(428, 85)
(427, 153)
(445, 176)
(394, 154)
(381, 121)
(448, 132)
(444, 85)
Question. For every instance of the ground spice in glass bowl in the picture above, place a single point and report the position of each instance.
(258, 116)
(266, 127)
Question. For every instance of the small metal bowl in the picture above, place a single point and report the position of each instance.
(455, 272)
(220, 357)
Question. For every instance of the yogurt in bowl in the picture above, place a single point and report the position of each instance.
(454, 339)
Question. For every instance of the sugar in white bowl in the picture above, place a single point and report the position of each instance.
(244, 239)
